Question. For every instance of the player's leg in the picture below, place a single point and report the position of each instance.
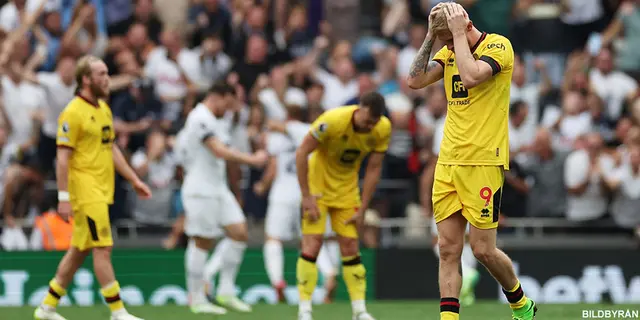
(306, 268)
(68, 266)
(450, 230)
(481, 199)
(329, 262)
(200, 226)
(101, 244)
(353, 270)
(279, 226)
(234, 223)
(214, 264)
(470, 274)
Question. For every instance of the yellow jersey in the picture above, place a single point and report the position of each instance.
(476, 130)
(88, 130)
(335, 164)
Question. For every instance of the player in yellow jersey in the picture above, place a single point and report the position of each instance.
(328, 161)
(476, 68)
(85, 161)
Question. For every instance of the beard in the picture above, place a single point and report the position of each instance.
(98, 91)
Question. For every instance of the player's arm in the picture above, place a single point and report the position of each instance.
(221, 150)
(426, 67)
(309, 144)
(492, 61)
(122, 166)
(63, 156)
(371, 177)
(269, 174)
(69, 130)
(234, 175)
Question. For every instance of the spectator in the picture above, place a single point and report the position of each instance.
(614, 87)
(519, 140)
(583, 168)
(531, 93)
(157, 166)
(624, 182)
(211, 17)
(51, 232)
(214, 63)
(254, 64)
(572, 122)
(295, 39)
(417, 33)
(83, 35)
(626, 22)
(547, 195)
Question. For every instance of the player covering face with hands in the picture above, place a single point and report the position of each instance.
(86, 159)
(477, 69)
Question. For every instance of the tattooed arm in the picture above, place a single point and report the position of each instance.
(424, 71)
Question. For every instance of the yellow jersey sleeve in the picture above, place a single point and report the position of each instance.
(441, 56)
(324, 127)
(69, 127)
(497, 51)
(384, 136)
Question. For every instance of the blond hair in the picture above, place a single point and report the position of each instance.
(439, 22)
(83, 68)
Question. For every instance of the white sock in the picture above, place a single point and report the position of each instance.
(324, 263)
(333, 249)
(119, 312)
(195, 259)
(215, 260)
(304, 306)
(358, 306)
(231, 263)
(468, 259)
(274, 261)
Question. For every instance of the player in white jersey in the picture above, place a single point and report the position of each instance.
(282, 222)
(211, 209)
(470, 275)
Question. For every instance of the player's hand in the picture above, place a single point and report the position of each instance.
(457, 18)
(357, 219)
(310, 208)
(64, 209)
(259, 159)
(142, 189)
(432, 15)
(259, 188)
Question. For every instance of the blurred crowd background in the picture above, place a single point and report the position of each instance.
(574, 118)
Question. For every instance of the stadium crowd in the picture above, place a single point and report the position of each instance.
(575, 111)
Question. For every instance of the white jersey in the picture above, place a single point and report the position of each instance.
(285, 186)
(181, 150)
(207, 174)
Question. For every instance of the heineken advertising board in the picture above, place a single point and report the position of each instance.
(152, 277)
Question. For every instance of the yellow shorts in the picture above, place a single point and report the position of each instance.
(91, 226)
(476, 191)
(339, 216)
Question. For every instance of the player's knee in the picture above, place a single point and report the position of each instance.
(203, 243)
(483, 251)
(311, 244)
(102, 253)
(450, 250)
(238, 233)
(348, 246)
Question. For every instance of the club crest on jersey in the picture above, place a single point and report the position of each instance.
(322, 128)
(65, 127)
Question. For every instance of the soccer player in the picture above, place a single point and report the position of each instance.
(86, 157)
(337, 142)
(210, 207)
(283, 212)
(477, 69)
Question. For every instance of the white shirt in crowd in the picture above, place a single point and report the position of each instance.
(401, 141)
(427, 120)
(159, 176)
(571, 127)
(167, 75)
(626, 201)
(21, 100)
(207, 174)
(10, 17)
(276, 109)
(336, 93)
(283, 146)
(212, 69)
(612, 88)
(530, 94)
(405, 59)
(582, 11)
(57, 96)
(592, 204)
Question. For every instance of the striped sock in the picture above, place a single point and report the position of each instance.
(56, 291)
(449, 309)
(515, 296)
(111, 294)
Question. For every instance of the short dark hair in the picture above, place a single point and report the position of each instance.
(374, 102)
(516, 106)
(222, 88)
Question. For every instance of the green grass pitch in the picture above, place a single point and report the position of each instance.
(413, 310)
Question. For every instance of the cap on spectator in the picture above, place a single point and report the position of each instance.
(296, 98)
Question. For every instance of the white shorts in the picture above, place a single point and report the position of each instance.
(206, 217)
(283, 221)
(434, 228)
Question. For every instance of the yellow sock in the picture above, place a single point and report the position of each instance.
(516, 297)
(56, 291)
(449, 309)
(111, 294)
(307, 274)
(355, 277)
